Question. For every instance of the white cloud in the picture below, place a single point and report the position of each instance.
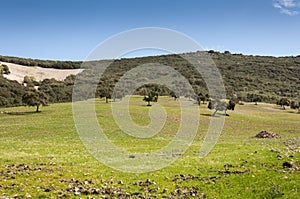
(287, 7)
(289, 12)
(289, 3)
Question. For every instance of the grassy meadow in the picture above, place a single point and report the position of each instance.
(42, 156)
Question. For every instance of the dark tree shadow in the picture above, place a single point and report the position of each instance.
(210, 115)
(293, 112)
(23, 113)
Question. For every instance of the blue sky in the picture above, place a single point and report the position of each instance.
(70, 29)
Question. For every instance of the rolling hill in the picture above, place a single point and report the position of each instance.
(262, 78)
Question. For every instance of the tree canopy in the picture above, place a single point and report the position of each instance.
(151, 96)
(4, 69)
(33, 97)
(219, 105)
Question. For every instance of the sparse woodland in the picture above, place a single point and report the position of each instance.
(247, 78)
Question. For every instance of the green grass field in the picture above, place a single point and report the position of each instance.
(42, 156)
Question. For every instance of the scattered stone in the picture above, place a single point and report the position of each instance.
(275, 151)
(47, 190)
(95, 191)
(86, 187)
(120, 182)
(293, 145)
(234, 172)
(188, 192)
(244, 163)
(267, 134)
(182, 177)
(228, 165)
(76, 193)
(148, 182)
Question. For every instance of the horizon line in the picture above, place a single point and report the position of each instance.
(152, 55)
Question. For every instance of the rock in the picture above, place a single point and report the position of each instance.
(120, 182)
(228, 165)
(164, 190)
(77, 193)
(226, 172)
(287, 165)
(96, 191)
(47, 190)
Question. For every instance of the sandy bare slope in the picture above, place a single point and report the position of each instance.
(18, 72)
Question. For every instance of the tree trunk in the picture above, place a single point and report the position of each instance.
(106, 99)
(215, 112)
(37, 108)
(226, 113)
(149, 103)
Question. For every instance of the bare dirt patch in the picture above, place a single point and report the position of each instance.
(18, 72)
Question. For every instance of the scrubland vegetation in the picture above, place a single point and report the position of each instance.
(250, 78)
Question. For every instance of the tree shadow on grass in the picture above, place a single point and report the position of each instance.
(293, 112)
(22, 113)
(210, 115)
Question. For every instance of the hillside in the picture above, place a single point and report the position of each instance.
(266, 76)
(260, 78)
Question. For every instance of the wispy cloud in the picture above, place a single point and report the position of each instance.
(288, 7)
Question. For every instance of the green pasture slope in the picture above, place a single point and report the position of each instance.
(41, 156)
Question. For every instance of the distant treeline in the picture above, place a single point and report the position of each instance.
(41, 63)
(248, 78)
(11, 92)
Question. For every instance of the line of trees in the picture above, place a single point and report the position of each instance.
(33, 93)
(283, 102)
(247, 78)
(42, 63)
(252, 78)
